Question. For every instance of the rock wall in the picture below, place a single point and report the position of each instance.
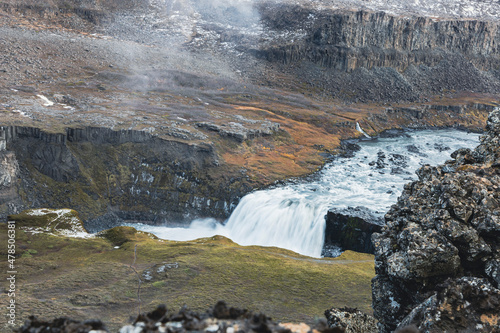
(363, 56)
(110, 176)
(438, 258)
(9, 178)
(346, 40)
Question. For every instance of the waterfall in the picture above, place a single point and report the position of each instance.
(282, 217)
(359, 129)
(293, 216)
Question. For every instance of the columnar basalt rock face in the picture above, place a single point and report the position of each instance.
(437, 259)
(347, 40)
(10, 201)
(123, 175)
(365, 56)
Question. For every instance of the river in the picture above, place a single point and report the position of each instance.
(292, 216)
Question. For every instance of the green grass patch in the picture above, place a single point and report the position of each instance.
(90, 278)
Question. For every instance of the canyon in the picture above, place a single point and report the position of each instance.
(280, 87)
(162, 112)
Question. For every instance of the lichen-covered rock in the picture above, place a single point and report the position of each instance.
(220, 318)
(10, 201)
(351, 321)
(468, 304)
(445, 226)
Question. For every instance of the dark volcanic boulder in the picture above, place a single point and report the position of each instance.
(351, 228)
(62, 325)
(438, 257)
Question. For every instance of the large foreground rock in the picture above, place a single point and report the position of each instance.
(438, 258)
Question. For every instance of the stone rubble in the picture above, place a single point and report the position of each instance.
(220, 319)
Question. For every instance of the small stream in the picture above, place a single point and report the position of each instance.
(292, 216)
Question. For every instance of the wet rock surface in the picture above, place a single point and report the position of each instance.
(351, 228)
(437, 258)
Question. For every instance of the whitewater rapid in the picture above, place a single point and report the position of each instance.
(292, 216)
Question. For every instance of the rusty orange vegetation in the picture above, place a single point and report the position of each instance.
(293, 151)
(305, 133)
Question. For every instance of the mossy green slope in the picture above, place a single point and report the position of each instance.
(88, 278)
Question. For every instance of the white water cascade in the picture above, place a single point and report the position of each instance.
(293, 216)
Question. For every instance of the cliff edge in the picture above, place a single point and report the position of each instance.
(438, 258)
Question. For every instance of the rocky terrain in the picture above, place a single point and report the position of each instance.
(164, 110)
(351, 229)
(437, 259)
(254, 92)
(220, 318)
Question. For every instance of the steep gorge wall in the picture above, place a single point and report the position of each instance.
(110, 176)
(347, 40)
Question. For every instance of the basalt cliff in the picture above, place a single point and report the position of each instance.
(438, 259)
(214, 99)
(105, 173)
(163, 111)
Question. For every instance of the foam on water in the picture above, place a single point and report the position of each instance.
(293, 216)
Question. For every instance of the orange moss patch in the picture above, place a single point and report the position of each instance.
(310, 129)
(466, 167)
(490, 319)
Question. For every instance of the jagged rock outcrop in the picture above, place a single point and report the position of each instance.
(239, 132)
(10, 202)
(56, 221)
(122, 175)
(438, 257)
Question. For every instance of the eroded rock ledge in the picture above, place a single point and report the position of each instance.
(438, 258)
(112, 176)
